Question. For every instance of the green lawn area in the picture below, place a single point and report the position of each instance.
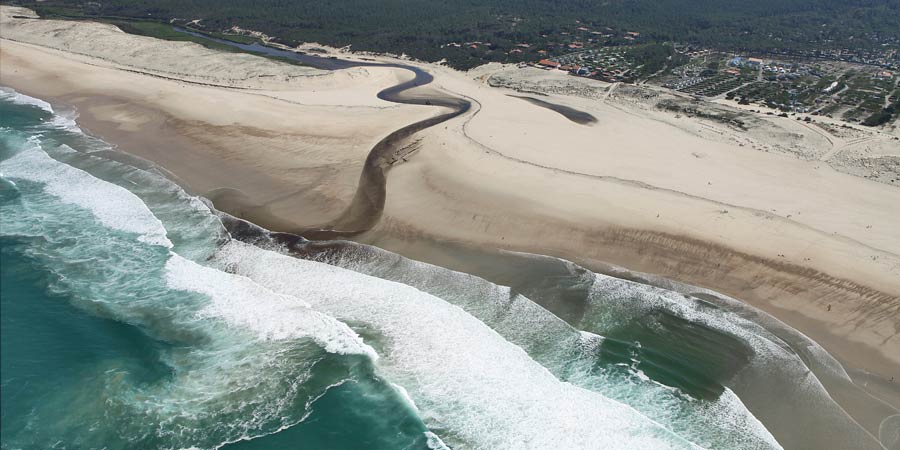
(165, 31)
(155, 29)
(239, 38)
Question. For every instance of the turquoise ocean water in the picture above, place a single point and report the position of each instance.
(132, 319)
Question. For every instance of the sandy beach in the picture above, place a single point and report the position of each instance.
(789, 235)
(275, 125)
(780, 213)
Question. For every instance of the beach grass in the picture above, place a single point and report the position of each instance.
(168, 32)
(239, 38)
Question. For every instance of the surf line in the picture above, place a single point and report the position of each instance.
(367, 206)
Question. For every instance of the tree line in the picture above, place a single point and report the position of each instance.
(421, 28)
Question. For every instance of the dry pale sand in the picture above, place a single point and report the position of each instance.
(747, 213)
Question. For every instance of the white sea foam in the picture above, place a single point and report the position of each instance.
(245, 304)
(244, 360)
(11, 95)
(615, 300)
(774, 345)
(113, 206)
(59, 120)
(468, 382)
(434, 442)
(403, 393)
(801, 342)
(728, 409)
(565, 351)
(64, 122)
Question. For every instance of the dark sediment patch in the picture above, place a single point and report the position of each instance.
(367, 205)
(579, 117)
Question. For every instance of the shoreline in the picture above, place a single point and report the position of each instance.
(105, 123)
(639, 256)
(458, 190)
(170, 132)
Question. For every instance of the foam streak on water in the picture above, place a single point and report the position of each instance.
(271, 316)
(614, 303)
(114, 207)
(22, 99)
(569, 353)
(470, 383)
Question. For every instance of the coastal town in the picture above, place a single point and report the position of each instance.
(856, 86)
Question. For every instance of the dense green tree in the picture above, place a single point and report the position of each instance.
(421, 27)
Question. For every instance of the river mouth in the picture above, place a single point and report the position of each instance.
(367, 205)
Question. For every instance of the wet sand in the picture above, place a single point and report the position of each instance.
(564, 289)
(579, 117)
(367, 206)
